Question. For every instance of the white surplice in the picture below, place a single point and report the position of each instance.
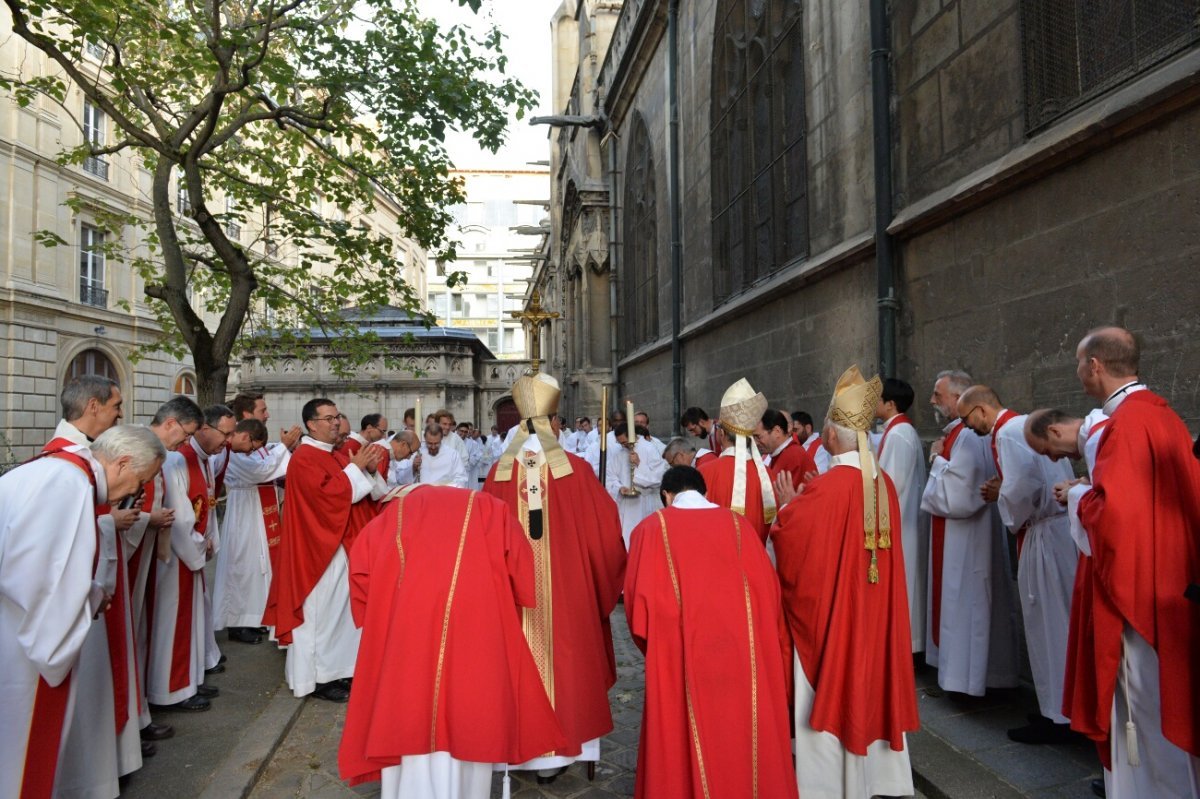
(144, 545)
(825, 770)
(47, 596)
(188, 552)
(977, 635)
(444, 469)
(325, 646)
(435, 776)
(903, 460)
(243, 572)
(646, 478)
(1046, 568)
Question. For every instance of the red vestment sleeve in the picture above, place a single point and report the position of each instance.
(1142, 517)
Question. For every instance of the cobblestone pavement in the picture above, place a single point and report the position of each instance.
(305, 764)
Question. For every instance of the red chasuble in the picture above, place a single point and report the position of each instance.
(718, 478)
(702, 602)
(852, 636)
(705, 459)
(435, 581)
(794, 459)
(1142, 517)
(316, 517)
(366, 509)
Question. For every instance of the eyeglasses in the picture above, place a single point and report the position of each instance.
(331, 418)
(967, 418)
(224, 436)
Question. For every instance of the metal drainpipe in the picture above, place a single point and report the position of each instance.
(610, 136)
(676, 244)
(881, 118)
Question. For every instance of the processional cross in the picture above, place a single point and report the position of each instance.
(532, 320)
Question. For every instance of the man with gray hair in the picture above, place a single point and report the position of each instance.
(970, 638)
(682, 452)
(54, 649)
(90, 404)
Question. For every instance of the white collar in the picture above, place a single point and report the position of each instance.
(953, 423)
(814, 437)
(691, 500)
(781, 447)
(360, 438)
(71, 433)
(996, 421)
(312, 442)
(849, 459)
(198, 449)
(1117, 397)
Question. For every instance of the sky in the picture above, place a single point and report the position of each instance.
(526, 26)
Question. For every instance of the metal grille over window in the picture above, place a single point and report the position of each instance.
(759, 159)
(640, 232)
(91, 267)
(1076, 51)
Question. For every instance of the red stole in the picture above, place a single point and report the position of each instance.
(1004, 418)
(937, 547)
(201, 500)
(268, 499)
(895, 420)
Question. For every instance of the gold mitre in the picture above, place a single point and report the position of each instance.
(854, 400)
(536, 395)
(742, 408)
(853, 406)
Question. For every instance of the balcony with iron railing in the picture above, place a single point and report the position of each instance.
(95, 165)
(93, 294)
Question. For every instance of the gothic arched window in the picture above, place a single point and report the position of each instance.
(640, 231)
(759, 163)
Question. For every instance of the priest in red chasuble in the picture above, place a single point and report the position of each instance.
(702, 602)
(309, 600)
(445, 685)
(579, 560)
(1137, 689)
(841, 569)
(738, 479)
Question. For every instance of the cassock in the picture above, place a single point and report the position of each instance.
(579, 563)
(901, 458)
(309, 600)
(971, 637)
(102, 743)
(645, 478)
(445, 684)
(792, 458)
(1141, 518)
(251, 533)
(816, 450)
(446, 468)
(175, 668)
(855, 693)
(476, 471)
(703, 605)
(49, 542)
(1047, 557)
(718, 477)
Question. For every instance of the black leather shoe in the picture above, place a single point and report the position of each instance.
(245, 635)
(1098, 787)
(208, 691)
(217, 669)
(195, 704)
(148, 749)
(1043, 731)
(157, 732)
(331, 692)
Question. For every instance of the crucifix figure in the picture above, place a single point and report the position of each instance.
(532, 320)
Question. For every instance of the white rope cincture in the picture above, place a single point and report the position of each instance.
(506, 792)
(1131, 742)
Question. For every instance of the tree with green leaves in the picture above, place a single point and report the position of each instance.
(293, 120)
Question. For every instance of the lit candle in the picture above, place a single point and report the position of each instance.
(629, 421)
(418, 419)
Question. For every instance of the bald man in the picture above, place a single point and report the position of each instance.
(1046, 557)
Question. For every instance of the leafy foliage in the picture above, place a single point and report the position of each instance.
(270, 132)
